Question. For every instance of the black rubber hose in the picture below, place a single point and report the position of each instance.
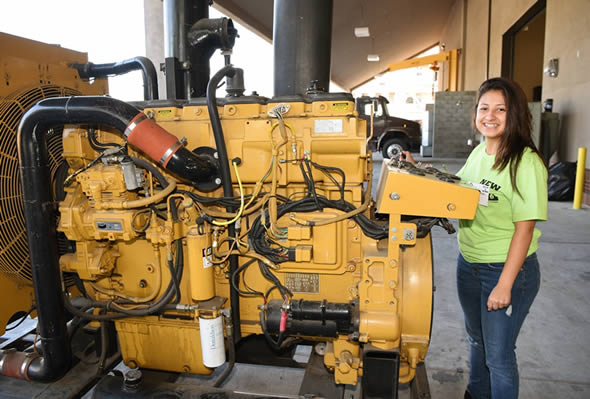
(230, 364)
(224, 167)
(143, 64)
(142, 163)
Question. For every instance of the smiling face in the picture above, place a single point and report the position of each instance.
(490, 119)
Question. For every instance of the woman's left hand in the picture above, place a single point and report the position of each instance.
(499, 297)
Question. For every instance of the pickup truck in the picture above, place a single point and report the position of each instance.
(391, 135)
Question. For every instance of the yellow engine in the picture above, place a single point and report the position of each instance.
(153, 251)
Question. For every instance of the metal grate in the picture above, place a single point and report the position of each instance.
(14, 249)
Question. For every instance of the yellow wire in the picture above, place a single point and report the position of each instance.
(239, 214)
(274, 125)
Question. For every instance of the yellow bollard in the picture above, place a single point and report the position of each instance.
(579, 188)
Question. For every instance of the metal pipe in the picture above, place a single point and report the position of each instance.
(172, 27)
(143, 64)
(302, 35)
(40, 224)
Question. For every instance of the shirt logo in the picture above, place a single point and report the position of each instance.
(492, 186)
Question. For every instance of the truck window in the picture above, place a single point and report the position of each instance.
(378, 110)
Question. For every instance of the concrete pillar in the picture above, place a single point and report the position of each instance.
(154, 38)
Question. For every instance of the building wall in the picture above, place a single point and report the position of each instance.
(568, 39)
(475, 51)
(503, 15)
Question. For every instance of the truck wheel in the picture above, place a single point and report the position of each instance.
(392, 148)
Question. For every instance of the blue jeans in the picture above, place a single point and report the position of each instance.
(492, 334)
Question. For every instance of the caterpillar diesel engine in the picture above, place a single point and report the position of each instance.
(194, 225)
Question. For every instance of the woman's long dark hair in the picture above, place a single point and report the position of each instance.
(518, 133)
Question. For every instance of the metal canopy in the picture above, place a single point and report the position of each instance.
(399, 29)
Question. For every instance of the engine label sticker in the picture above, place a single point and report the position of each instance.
(340, 106)
(109, 226)
(207, 258)
(327, 126)
(303, 282)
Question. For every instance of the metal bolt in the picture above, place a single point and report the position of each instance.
(394, 229)
(133, 378)
(408, 234)
(394, 196)
(150, 114)
(217, 180)
(393, 238)
(215, 155)
(451, 207)
(142, 284)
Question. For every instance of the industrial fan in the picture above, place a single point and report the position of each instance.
(30, 71)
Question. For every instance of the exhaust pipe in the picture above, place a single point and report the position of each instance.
(302, 36)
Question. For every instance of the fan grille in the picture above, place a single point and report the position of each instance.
(14, 249)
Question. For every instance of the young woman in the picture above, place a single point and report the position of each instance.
(497, 270)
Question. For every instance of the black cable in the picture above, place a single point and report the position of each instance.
(276, 345)
(259, 240)
(305, 178)
(104, 346)
(327, 170)
(235, 283)
(100, 147)
(312, 183)
(267, 274)
(22, 319)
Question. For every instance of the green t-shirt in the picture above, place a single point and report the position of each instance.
(487, 237)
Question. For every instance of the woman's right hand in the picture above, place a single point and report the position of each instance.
(406, 156)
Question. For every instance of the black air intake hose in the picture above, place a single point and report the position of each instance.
(39, 209)
(227, 70)
(209, 35)
(143, 64)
